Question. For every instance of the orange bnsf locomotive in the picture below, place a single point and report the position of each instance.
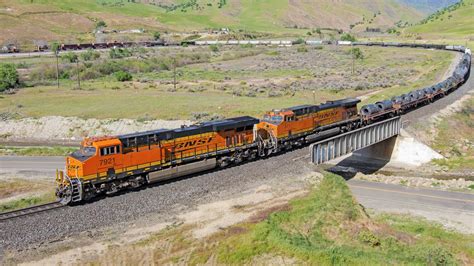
(283, 129)
(110, 164)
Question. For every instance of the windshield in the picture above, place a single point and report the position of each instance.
(84, 153)
(275, 119)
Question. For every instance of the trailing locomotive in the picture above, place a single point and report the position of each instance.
(283, 129)
(110, 164)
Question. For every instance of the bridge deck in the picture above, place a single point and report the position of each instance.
(346, 143)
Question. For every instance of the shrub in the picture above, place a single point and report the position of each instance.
(123, 76)
(89, 74)
(156, 35)
(247, 45)
(90, 55)
(275, 94)
(70, 57)
(302, 49)
(299, 41)
(251, 94)
(348, 37)
(100, 24)
(8, 77)
(214, 48)
(116, 53)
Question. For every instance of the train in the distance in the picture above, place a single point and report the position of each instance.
(106, 165)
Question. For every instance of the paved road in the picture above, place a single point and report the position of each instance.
(30, 164)
(454, 209)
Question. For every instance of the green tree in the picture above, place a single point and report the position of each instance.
(357, 53)
(156, 35)
(8, 77)
(55, 47)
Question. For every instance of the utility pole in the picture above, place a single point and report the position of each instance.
(55, 49)
(78, 76)
(57, 66)
(352, 52)
(174, 73)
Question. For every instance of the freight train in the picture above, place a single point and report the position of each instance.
(106, 165)
(157, 43)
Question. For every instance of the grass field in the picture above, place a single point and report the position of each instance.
(21, 193)
(241, 86)
(328, 227)
(454, 25)
(454, 139)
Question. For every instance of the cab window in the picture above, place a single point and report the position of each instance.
(109, 150)
(274, 119)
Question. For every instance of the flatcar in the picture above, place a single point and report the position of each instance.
(109, 164)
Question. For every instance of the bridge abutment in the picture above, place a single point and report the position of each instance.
(402, 149)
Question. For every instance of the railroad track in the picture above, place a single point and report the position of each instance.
(30, 210)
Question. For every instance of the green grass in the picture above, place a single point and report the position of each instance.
(27, 202)
(104, 102)
(454, 138)
(451, 25)
(36, 151)
(328, 227)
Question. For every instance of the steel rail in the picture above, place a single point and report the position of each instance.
(30, 210)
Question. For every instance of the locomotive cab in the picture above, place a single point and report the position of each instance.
(96, 155)
(96, 158)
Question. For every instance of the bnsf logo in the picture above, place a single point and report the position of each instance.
(192, 143)
(326, 114)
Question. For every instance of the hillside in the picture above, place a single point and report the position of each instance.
(428, 6)
(454, 24)
(72, 21)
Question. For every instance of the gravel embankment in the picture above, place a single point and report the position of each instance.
(168, 199)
